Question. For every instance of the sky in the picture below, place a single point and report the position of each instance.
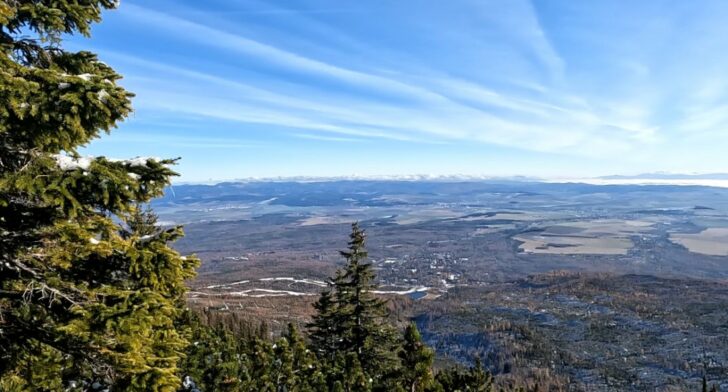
(544, 88)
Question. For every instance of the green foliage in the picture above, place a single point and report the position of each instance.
(417, 360)
(474, 379)
(220, 361)
(88, 293)
(325, 328)
(212, 359)
(351, 319)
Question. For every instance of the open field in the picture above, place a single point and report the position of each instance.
(323, 220)
(598, 237)
(573, 245)
(425, 215)
(711, 241)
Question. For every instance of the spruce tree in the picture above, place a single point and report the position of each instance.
(84, 299)
(361, 315)
(324, 330)
(351, 319)
(417, 359)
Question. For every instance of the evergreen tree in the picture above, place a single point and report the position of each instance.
(212, 361)
(362, 316)
(143, 222)
(474, 379)
(354, 377)
(84, 300)
(351, 319)
(306, 368)
(324, 330)
(417, 360)
(262, 367)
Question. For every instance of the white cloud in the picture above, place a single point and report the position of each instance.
(511, 81)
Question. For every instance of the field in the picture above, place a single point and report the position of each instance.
(711, 241)
(598, 237)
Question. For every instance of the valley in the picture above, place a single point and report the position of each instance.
(617, 287)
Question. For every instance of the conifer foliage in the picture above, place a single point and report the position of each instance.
(417, 360)
(351, 326)
(89, 296)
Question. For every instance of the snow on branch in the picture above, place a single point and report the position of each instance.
(135, 162)
(140, 161)
(103, 95)
(67, 163)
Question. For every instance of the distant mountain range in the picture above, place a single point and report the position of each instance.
(394, 177)
(668, 176)
(656, 178)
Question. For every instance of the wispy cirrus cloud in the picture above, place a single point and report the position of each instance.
(552, 78)
(431, 102)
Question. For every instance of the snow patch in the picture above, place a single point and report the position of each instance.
(216, 286)
(140, 161)
(306, 281)
(103, 96)
(404, 292)
(70, 163)
(253, 293)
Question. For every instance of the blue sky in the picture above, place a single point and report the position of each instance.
(551, 88)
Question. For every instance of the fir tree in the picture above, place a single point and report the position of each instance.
(262, 367)
(84, 300)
